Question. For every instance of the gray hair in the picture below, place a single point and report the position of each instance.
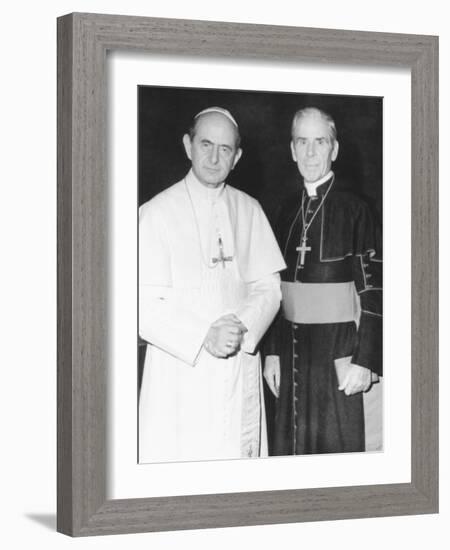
(314, 111)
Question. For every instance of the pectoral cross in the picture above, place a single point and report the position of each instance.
(222, 258)
(303, 249)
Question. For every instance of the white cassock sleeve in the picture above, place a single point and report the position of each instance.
(259, 309)
(168, 326)
(163, 322)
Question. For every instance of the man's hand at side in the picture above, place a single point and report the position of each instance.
(272, 373)
(357, 379)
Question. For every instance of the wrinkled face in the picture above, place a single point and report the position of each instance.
(312, 147)
(213, 150)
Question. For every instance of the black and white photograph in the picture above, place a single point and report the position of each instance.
(195, 195)
(260, 274)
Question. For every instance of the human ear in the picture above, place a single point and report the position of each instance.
(294, 155)
(237, 156)
(187, 145)
(335, 152)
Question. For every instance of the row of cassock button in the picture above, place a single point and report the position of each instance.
(294, 357)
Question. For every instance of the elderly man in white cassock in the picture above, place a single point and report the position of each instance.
(208, 290)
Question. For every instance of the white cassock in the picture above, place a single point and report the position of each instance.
(194, 406)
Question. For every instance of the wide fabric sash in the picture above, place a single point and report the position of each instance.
(319, 303)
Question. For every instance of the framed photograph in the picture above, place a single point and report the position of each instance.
(136, 97)
(170, 427)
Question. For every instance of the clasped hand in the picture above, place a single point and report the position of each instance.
(224, 336)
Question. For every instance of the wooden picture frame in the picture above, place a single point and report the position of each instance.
(83, 41)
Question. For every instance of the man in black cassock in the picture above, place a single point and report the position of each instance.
(325, 348)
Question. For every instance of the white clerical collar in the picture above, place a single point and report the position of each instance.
(311, 188)
(202, 191)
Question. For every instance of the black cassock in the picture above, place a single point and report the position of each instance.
(312, 415)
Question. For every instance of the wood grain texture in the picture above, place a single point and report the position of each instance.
(83, 40)
(424, 258)
(64, 299)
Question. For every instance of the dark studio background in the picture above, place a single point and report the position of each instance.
(266, 169)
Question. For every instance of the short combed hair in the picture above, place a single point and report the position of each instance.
(308, 111)
(193, 129)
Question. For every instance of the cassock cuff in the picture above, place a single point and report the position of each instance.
(248, 341)
(369, 348)
(195, 347)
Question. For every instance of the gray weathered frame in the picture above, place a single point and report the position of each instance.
(83, 41)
